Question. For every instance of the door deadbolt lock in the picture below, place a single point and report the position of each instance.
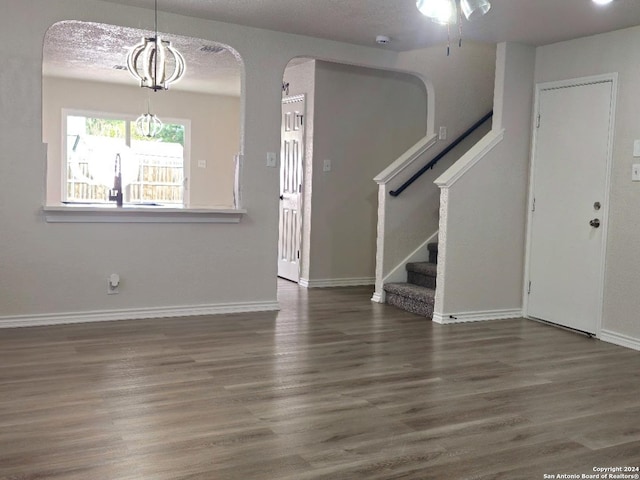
(597, 206)
(595, 223)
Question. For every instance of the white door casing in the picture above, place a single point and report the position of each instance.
(570, 173)
(291, 171)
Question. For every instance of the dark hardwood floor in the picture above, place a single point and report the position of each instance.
(331, 387)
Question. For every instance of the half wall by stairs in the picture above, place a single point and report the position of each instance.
(408, 218)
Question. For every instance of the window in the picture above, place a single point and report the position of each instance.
(153, 169)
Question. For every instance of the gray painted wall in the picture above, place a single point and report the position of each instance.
(364, 120)
(484, 212)
(361, 119)
(58, 268)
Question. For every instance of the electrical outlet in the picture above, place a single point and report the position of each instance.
(202, 164)
(113, 284)
(272, 160)
(326, 166)
(635, 172)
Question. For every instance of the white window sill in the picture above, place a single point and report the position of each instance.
(139, 214)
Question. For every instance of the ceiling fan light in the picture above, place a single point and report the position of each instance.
(443, 12)
(473, 9)
(602, 2)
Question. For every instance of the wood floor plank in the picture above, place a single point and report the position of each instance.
(332, 386)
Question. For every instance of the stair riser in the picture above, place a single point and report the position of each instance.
(433, 252)
(410, 305)
(422, 280)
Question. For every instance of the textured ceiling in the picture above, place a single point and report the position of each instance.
(86, 50)
(535, 22)
(94, 51)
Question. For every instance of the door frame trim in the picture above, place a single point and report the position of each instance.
(573, 82)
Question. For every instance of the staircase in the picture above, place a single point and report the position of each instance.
(418, 294)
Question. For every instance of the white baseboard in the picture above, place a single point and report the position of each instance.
(337, 282)
(134, 314)
(466, 317)
(619, 339)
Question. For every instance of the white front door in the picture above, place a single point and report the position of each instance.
(291, 169)
(570, 170)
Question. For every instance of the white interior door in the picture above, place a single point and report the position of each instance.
(569, 203)
(291, 170)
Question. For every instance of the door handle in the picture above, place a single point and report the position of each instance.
(281, 197)
(595, 223)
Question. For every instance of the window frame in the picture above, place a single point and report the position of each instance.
(129, 120)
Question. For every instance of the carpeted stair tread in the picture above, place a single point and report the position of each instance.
(410, 290)
(418, 294)
(422, 273)
(423, 268)
(410, 297)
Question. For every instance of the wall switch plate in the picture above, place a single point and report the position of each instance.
(272, 161)
(326, 166)
(443, 133)
(635, 172)
(636, 148)
(202, 164)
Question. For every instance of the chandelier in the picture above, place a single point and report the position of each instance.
(148, 125)
(449, 12)
(148, 61)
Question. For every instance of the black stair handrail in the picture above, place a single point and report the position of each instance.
(432, 163)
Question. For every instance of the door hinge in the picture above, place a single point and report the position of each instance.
(298, 254)
(538, 121)
(529, 288)
(533, 206)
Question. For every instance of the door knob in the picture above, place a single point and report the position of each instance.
(281, 197)
(595, 223)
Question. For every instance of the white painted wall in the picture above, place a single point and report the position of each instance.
(483, 212)
(215, 130)
(58, 268)
(606, 53)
